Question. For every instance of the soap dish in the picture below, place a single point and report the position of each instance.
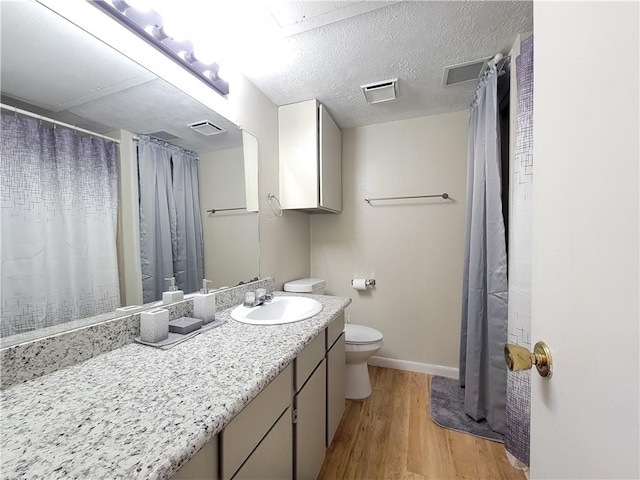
(184, 325)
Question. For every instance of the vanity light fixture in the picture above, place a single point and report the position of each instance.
(148, 24)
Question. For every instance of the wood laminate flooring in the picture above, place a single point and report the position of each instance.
(390, 435)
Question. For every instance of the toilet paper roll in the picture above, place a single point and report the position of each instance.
(359, 283)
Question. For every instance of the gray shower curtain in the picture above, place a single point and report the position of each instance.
(171, 243)
(58, 212)
(157, 217)
(484, 297)
(188, 263)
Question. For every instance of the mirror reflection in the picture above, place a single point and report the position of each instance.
(89, 225)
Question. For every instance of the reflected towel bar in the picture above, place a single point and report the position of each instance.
(214, 210)
(443, 195)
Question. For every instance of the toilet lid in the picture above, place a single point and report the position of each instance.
(359, 334)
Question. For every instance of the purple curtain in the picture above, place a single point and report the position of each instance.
(519, 325)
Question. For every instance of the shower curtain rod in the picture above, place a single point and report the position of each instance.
(56, 122)
(136, 138)
(499, 60)
(496, 59)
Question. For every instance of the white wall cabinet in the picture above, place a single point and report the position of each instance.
(310, 145)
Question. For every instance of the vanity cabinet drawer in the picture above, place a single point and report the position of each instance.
(247, 429)
(334, 330)
(308, 359)
(272, 459)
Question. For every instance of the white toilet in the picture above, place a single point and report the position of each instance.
(314, 286)
(360, 343)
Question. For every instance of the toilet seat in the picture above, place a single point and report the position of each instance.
(360, 334)
(363, 347)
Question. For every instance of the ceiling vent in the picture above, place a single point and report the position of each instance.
(205, 127)
(164, 135)
(380, 91)
(465, 72)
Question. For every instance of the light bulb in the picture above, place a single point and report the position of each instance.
(141, 5)
(177, 21)
(205, 55)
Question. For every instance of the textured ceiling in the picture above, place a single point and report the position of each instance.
(336, 46)
(412, 40)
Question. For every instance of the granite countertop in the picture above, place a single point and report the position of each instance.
(140, 412)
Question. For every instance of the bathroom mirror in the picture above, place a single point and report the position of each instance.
(53, 68)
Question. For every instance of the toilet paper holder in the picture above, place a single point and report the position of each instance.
(369, 282)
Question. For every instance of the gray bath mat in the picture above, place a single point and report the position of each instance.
(447, 410)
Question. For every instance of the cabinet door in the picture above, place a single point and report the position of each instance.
(330, 163)
(311, 425)
(308, 359)
(248, 428)
(203, 465)
(334, 330)
(298, 146)
(335, 387)
(272, 459)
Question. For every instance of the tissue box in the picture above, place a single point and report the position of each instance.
(154, 325)
(204, 307)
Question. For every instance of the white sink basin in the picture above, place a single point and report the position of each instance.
(277, 311)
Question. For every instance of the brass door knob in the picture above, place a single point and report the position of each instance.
(518, 358)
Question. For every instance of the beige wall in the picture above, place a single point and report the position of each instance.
(231, 246)
(414, 249)
(284, 241)
(128, 236)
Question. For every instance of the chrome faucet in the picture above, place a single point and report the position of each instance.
(259, 297)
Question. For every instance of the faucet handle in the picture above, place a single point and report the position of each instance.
(249, 299)
(261, 293)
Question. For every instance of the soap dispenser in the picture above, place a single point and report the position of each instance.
(204, 304)
(173, 295)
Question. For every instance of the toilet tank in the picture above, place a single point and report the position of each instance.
(306, 285)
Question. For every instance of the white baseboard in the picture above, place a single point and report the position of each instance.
(449, 372)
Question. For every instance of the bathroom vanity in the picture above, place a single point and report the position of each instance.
(239, 401)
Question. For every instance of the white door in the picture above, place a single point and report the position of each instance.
(585, 287)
